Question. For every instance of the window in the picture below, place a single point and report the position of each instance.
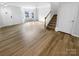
(32, 15)
(26, 14)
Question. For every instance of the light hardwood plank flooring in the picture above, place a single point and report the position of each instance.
(32, 39)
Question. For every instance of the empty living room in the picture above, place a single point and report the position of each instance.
(39, 28)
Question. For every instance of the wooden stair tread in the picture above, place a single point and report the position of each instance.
(52, 23)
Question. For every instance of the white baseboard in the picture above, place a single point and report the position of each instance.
(75, 35)
(57, 29)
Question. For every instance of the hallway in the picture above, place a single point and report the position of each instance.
(32, 39)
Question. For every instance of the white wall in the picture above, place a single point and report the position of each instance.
(17, 16)
(1, 22)
(67, 14)
(43, 10)
(13, 11)
(54, 7)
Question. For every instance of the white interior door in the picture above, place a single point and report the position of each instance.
(66, 16)
(75, 29)
(6, 16)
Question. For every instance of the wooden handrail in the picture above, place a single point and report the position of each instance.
(47, 15)
(46, 18)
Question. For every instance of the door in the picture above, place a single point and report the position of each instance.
(75, 29)
(66, 17)
(6, 16)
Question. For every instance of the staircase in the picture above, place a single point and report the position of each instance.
(52, 23)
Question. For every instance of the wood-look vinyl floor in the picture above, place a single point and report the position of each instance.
(32, 39)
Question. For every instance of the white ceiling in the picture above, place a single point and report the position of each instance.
(20, 4)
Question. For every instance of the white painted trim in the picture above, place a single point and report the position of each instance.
(57, 29)
(75, 35)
